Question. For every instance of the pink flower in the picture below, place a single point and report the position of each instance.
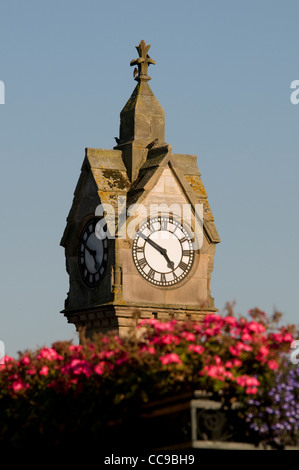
(44, 370)
(168, 339)
(246, 337)
(256, 327)
(264, 351)
(233, 363)
(196, 348)
(148, 349)
(18, 385)
(188, 336)
(234, 351)
(272, 364)
(78, 366)
(31, 371)
(100, 368)
(237, 362)
(210, 318)
(251, 390)
(48, 353)
(169, 358)
(25, 361)
(217, 372)
(288, 338)
(217, 360)
(230, 320)
(164, 326)
(243, 347)
(75, 347)
(247, 381)
(278, 337)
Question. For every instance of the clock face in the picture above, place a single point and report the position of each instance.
(163, 251)
(92, 255)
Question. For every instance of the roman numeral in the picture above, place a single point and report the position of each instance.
(150, 226)
(182, 240)
(139, 249)
(163, 278)
(142, 262)
(187, 253)
(164, 224)
(183, 266)
(151, 274)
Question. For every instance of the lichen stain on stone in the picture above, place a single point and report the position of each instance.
(197, 185)
(110, 180)
(198, 188)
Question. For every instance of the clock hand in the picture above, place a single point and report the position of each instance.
(92, 252)
(163, 251)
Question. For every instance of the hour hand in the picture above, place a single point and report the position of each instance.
(92, 252)
(163, 251)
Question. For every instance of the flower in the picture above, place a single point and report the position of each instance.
(256, 327)
(17, 385)
(188, 336)
(196, 348)
(170, 358)
(272, 364)
(44, 370)
(25, 361)
(148, 349)
(288, 338)
(167, 339)
(49, 353)
(79, 366)
(99, 368)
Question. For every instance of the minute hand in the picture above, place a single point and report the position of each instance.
(163, 251)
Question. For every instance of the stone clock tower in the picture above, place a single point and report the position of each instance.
(140, 236)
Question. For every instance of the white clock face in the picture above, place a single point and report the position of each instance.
(163, 251)
(92, 255)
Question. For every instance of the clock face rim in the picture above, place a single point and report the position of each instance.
(178, 280)
(102, 269)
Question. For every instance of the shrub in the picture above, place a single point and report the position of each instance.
(74, 390)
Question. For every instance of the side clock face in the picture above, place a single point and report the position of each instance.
(163, 251)
(92, 255)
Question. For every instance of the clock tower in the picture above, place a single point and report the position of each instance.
(140, 237)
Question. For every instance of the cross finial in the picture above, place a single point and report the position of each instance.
(142, 62)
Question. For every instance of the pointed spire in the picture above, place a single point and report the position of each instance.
(142, 118)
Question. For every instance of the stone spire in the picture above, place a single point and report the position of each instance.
(142, 119)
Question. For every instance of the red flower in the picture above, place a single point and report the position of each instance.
(44, 370)
(272, 364)
(196, 348)
(169, 358)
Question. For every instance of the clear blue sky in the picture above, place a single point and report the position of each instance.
(223, 77)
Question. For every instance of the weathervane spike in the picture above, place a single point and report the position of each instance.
(142, 62)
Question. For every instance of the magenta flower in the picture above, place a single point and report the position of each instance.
(272, 364)
(170, 358)
(44, 370)
(196, 348)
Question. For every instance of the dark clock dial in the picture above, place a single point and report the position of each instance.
(92, 255)
(163, 251)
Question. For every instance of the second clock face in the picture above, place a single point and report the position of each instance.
(92, 255)
(163, 251)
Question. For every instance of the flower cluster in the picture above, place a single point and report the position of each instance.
(274, 413)
(236, 357)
